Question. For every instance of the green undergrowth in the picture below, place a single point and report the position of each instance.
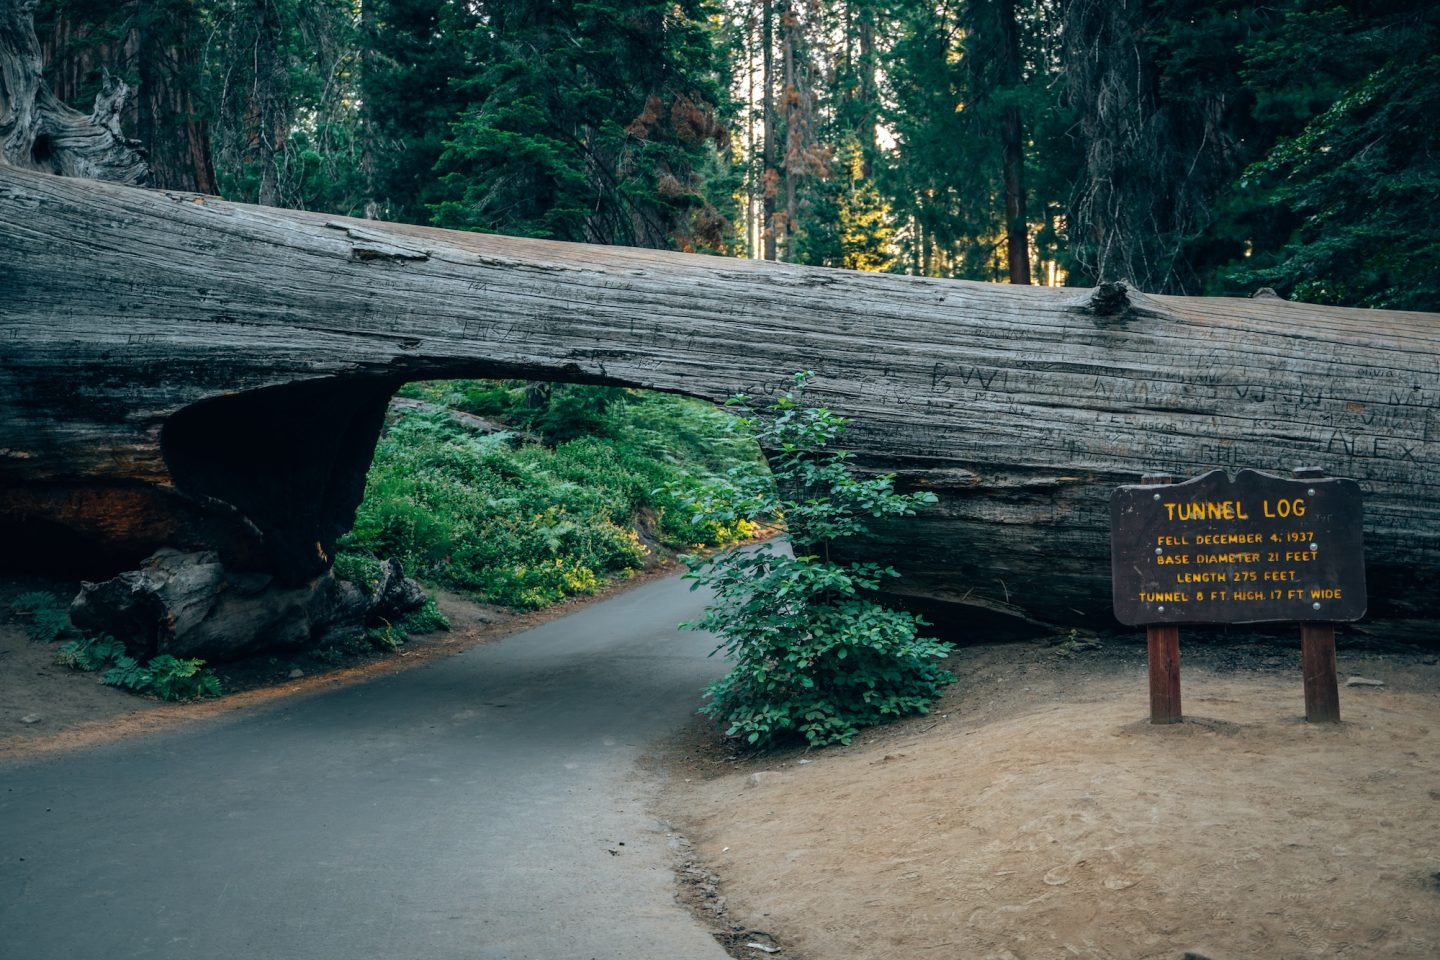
(47, 620)
(578, 486)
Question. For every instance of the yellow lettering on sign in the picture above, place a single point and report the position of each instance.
(1207, 510)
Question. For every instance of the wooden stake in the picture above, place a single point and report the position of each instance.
(1162, 647)
(1317, 651)
(1317, 658)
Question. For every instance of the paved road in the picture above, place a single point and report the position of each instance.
(485, 807)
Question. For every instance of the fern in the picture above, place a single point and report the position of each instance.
(33, 601)
(128, 673)
(45, 615)
(47, 626)
(426, 619)
(91, 653)
(176, 679)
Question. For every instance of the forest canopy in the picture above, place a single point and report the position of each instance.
(1187, 147)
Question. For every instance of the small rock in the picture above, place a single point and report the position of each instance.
(1194, 955)
(31, 718)
(761, 778)
(1364, 682)
(763, 947)
(296, 674)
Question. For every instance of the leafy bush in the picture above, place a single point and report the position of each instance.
(176, 679)
(531, 525)
(427, 619)
(387, 638)
(358, 568)
(812, 655)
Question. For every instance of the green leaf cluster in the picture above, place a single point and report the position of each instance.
(165, 676)
(528, 524)
(45, 616)
(1357, 183)
(813, 656)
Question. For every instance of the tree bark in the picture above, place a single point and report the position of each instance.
(1012, 149)
(177, 370)
(39, 132)
(769, 175)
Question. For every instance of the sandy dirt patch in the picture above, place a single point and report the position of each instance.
(1037, 815)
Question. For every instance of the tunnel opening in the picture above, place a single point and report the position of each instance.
(289, 460)
(525, 493)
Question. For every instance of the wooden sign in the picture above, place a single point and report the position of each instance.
(1259, 548)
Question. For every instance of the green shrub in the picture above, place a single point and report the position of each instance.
(427, 619)
(533, 525)
(812, 656)
(385, 638)
(176, 679)
(361, 569)
(130, 674)
(333, 656)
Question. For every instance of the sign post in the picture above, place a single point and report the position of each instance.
(1162, 649)
(1258, 549)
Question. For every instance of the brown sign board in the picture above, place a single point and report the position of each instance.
(1256, 549)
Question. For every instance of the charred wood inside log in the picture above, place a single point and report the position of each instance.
(291, 459)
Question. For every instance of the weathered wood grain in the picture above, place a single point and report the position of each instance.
(39, 131)
(177, 369)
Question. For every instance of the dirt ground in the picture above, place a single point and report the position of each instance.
(1036, 814)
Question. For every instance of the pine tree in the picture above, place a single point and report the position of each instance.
(589, 122)
(1360, 181)
(414, 61)
(1165, 127)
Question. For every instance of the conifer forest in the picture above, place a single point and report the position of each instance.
(1187, 147)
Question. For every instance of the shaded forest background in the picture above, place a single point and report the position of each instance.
(1189, 147)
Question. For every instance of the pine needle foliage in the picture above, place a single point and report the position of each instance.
(812, 655)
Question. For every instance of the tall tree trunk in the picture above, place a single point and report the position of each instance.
(176, 136)
(793, 147)
(369, 129)
(1153, 161)
(270, 101)
(1012, 134)
(769, 177)
(868, 68)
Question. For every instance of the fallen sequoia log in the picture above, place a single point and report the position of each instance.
(180, 371)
